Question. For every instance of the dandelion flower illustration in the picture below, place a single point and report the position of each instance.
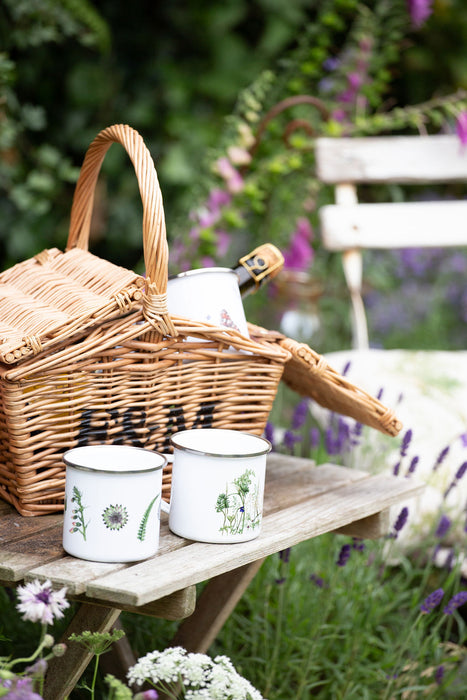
(115, 517)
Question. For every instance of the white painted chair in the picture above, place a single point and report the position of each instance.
(428, 389)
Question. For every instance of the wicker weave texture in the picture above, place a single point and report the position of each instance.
(118, 372)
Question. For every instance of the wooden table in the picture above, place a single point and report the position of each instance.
(301, 501)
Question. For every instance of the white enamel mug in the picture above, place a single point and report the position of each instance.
(217, 485)
(112, 502)
(208, 295)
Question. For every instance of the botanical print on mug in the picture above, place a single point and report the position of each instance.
(77, 513)
(239, 505)
(144, 521)
(115, 517)
(227, 322)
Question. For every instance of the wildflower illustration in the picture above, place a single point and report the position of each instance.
(144, 521)
(239, 505)
(115, 517)
(77, 514)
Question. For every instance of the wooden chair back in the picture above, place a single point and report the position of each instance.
(350, 226)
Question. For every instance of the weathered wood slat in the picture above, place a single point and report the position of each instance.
(176, 606)
(391, 159)
(394, 225)
(19, 556)
(76, 573)
(200, 561)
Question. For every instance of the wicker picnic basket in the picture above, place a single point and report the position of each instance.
(89, 353)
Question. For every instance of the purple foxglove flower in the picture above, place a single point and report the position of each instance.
(455, 602)
(344, 555)
(432, 601)
(419, 11)
(300, 252)
(218, 198)
(461, 127)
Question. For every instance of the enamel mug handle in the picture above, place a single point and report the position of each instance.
(165, 507)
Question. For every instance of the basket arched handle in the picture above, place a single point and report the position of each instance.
(156, 254)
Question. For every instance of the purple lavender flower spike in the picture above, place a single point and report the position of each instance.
(443, 527)
(413, 465)
(314, 438)
(284, 555)
(317, 580)
(290, 439)
(269, 433)
(432, 601)
(455, 602)
(346, 368)
(300, 414)
(396, 469)
(344, 555)
(439, 675)
(461, 471)
(401, 520)
(441, 457)
(406, 442)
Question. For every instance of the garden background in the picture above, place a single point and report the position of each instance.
(198, 81)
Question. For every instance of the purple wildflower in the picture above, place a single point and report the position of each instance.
(439, 675)
(455, 602)
(419, 11)
(300, 414)
(406, 442)
(441, 457)
(40, 603)
(269, 432)
(432, 601)
(290, 439)
(401, 520)
(300, 252)
(314, 437)
(458, 476)
(461, 127)
(317, 580)
(344, 555)
(443, 527)
(284, 555)
(19, 689)
(358, 544)
(150, 694)
(413, 465)
(461, 471)
(396, 469)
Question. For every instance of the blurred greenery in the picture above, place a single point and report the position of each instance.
(185, 75)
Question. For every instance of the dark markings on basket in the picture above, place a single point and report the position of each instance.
(131, 427)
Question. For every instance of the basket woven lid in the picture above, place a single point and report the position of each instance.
(49, 298)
